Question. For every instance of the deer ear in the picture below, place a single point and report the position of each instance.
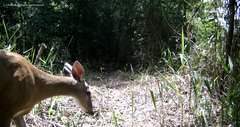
(78, 71)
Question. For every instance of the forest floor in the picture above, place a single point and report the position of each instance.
(114, 92)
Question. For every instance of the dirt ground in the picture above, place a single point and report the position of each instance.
(128, 96)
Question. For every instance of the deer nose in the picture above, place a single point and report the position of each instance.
(91, 112)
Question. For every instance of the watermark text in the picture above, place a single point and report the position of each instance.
(24, 5)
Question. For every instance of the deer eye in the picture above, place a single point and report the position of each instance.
(88, 93)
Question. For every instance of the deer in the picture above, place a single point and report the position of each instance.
(22, 85)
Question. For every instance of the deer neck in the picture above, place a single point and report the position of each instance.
(50, 85)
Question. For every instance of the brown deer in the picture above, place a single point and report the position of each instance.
(22, 86)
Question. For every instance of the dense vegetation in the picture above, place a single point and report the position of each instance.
(197, 39)
(102, 31)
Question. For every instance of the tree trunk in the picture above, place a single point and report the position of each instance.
(229, 37)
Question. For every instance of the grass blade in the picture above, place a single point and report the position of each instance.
(75, 116)
(209, 111)
(205, 119)
(114, 118)
(36, 110)
(51, 110)
(153, 99)
(223, 64)
(208, 86)
(133, 111)
(99, 93)
(121, 114)
(5, 28)
(182, 42)
(13, 34)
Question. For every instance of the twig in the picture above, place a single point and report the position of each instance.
(40, 51)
